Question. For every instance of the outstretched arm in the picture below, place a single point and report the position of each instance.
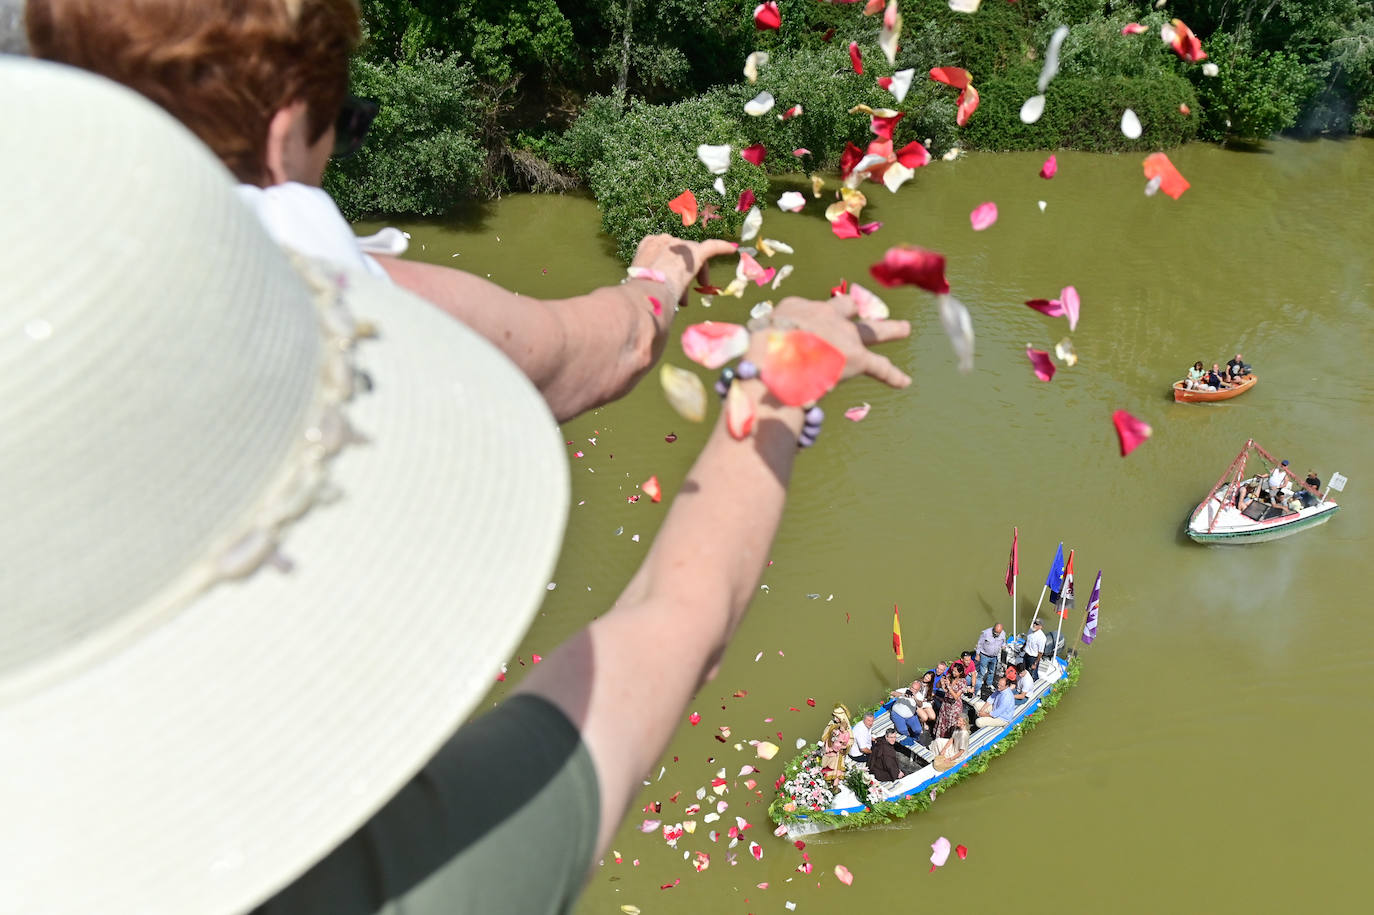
(579, 352)
(696, 582)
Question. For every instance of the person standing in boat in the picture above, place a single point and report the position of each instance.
(1278, 478)
(1035, 647)
(990, 642)
(952, 716)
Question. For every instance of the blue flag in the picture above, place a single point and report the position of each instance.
(1055, 580)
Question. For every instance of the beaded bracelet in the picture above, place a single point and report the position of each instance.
(745, 371)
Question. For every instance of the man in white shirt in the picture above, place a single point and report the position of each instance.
(863, 740)
(1035, 647)
(1277, 480)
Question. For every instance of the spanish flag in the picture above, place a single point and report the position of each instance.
(897, 635)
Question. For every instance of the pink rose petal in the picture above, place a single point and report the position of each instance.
(714, 343)
(753, 154)
(1051, 307)
(912, 266)
(983, 215)
(694, 718)
(939, 852)
(1041, 362)
(856, 58)
(766, 16)
(1069, 296)
(961, 851)
(1133, 28)
(843, 875)
(1130, 432)
(856, 414)
(746, 200)
(1049, 168)
(756, 850)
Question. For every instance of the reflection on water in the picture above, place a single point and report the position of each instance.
(1209, 759)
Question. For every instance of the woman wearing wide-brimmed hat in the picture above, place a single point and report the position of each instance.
(270, 527)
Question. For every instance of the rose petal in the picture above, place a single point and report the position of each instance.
(739, 415)
(694, 718)
(783, 273)
(752, 63)
(1041, 362)
(849, 158)
(801, 151)
(714, 343)
(891, 32)
(753, 154)
(685, 204)
(749, 269)
(651, 489)
(746, 200)
(799, 367)
(790, 113)
(685, 392)
(965, 6)
(1064, 352)
(1210, 69)
(939, 851)
(983, 215)
(1157, 165)
(753, 221)
(856, 414)
(843, 875)
(1051, 307)
(756, 850)
(715, 158)
(896, 175)
(1130, 432)
(959, 328)
(1051, 166)
(766, 16)
(961, 851)
(883, 125)
(856, 58)
(1130, 125)
(1181, 38)
(912, 266)
(968, 103)
(1051, 65)
(1184, 110)
(845, 225)
(1032, 108)
(870, 307)
(1133, 28)
(649, 826)
(957, 77)
(913, 155)
(898, 83)
(759, 105)
(766, 750)
(1069, 296)
(792, 202)
(872, 6)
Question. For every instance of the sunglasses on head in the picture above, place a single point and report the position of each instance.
(350, 128)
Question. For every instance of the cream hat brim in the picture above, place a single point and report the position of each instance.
(217, 755)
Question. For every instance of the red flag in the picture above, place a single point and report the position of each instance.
(1067, 599)
(1013, 566)
(897, 635)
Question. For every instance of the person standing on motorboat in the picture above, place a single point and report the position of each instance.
(990, 642)
(1278, 478)
(1035, 647)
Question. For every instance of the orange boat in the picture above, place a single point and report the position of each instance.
(1183, 395)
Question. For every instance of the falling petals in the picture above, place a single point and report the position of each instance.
(715, 158)
(1133, 28)
(913, 155)
(957, 77)
(695, 719)
(1049, 168)
(746, 200)
(799, 367)
(857, 414)
(1032, 108)
(883, 125)
(753, 154)
(891, 32)
(1069, 296)
(961, 851)
(849, 158)
(1181, 38)
(714, 343)
(790, 113)
(1184, 110)
(896, 175)
(739, 415)
(801, 151)
(766, 16)
(845, 225)
(685, 204)
(965, 6)
(783, 273)
(1051, 65)
(898, 83)
(843, 875)
(872, 6)
(750, 269)
(769, 246)
(651, 489)
(791, 201)
(856, 58)
(983, 215)
(1064, 352)
(912, 266)
(753, 221)
(759, 105)
(756, 850)
(817, 183)
(752, 63)
(1210, 69)
(1130, 125)
(649, 826)
(685, 392)
(869, 306)
(939, 852)
(1050, 307)
(1130, 432)
(959, 328)
(968, 103)
(1041, 362)
(766, 750)
(1157, 165)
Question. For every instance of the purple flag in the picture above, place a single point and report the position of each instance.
(1090, 624)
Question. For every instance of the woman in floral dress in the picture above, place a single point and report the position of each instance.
(952, 716)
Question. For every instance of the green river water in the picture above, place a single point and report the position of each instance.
(1216, 754)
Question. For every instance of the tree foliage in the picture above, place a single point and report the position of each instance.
(1255, 94)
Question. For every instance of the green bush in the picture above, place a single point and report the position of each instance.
(423, 153)
(1084, 113)
(1256, 93)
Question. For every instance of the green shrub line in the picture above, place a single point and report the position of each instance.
(887, 811)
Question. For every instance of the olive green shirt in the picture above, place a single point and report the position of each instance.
(503, 819)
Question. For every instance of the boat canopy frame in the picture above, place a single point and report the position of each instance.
(1235, 473)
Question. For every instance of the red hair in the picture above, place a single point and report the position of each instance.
(221, 67)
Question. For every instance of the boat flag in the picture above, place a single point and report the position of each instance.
(1012, 565)
(897, 635)
(1090, 624)
(1066, 599)
(1337, 483)
(1055, 580)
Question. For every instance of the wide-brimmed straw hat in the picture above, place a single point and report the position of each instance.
(257, 567)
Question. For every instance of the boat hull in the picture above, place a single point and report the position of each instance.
(1261, 532)
(1183, 395)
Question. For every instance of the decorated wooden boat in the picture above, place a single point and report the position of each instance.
(1237, 510)
(806, 804)
(1183, 395)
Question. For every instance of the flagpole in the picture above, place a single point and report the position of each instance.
(1063, 601)
(1035, 616)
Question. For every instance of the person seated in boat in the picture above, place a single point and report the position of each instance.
(861, 748)
(884, 762)
(997, 711)
(1215, 380)
(1236, 369)
(903, 710)
(1312, 494)
(971, 669)
(1020, 683)
(1275, 482)
(1195, 375)
(1245, 494)
(925, 700)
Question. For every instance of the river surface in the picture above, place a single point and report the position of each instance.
(1216, 754)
